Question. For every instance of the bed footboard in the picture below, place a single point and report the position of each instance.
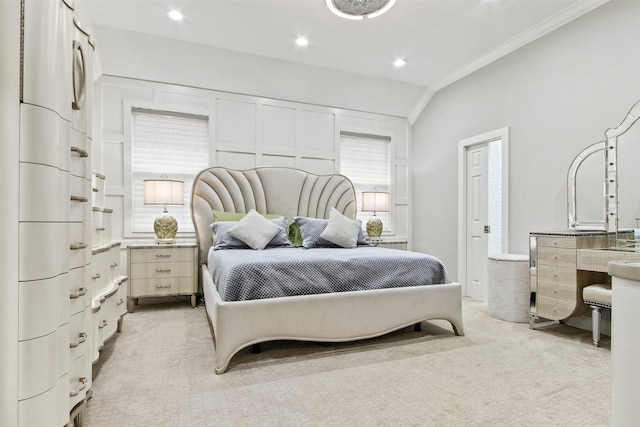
(345, 316)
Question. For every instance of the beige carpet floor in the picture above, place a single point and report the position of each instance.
(159, 371)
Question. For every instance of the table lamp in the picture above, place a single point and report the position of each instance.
(164, 192)
(375, 201)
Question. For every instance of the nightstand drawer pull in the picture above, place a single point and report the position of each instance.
(77, 294)
(81, 386)
(76, 246)
(100, 228)
(80, 199)
(163, 255)
(163, 286)
(163, 270)
(82, 337)
(96, 276)
(115, 264)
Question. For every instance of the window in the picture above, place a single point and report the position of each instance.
(171, 144)
(364, 159)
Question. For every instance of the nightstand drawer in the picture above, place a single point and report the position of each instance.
(162, 255)
(161, 270)
(159, 286)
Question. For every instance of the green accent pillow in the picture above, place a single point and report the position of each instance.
(294, 235)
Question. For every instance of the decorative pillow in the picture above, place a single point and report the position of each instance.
(312, 228)
(223, 240)
(341, 230)
(294, 235)
(255, 230)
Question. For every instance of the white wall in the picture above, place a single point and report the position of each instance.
(141, 56)
(245, 132)
(557, 95)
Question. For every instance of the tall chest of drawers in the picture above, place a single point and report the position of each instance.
(556, 282)
(162, 270)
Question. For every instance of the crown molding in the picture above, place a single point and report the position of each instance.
(556, 21)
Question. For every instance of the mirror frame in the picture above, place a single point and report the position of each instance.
(609, 222)
(611, 159)
(573, 222)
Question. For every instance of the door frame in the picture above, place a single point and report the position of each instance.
(463, 146)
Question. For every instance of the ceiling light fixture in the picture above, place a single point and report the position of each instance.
(301, 41)
(400, 62)
(359, 9)
(175, 15)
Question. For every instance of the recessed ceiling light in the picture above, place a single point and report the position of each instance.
(175, 15)
(400, 62)
(301, 41)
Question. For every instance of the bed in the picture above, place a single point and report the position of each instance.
(326, 315)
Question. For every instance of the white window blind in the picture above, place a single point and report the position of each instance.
(364, 159)
(171, 144)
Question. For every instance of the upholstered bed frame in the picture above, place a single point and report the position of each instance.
(343, 316)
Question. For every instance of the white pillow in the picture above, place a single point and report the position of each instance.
(341, 230)
(255, 230)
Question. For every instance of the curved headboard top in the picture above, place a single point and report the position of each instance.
(269, 190)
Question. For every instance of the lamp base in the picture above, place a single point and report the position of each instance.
(374, 227)
(166, 228)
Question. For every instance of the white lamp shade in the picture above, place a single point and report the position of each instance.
(163, 192)
(375, 201)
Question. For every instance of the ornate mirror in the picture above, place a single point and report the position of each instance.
(603, 181)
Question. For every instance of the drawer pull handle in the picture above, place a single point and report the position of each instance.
(95, 190)
(81, 386)
(163, 255)
(163, 270)
(103, 323)
(80, 151)
(115, 264)
(82, 337)
(163, 286)
(76, 246)
(80, 199)
(77, 294)
(100, 228)
(96, 276)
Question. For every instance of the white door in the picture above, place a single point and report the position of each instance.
(477, 218)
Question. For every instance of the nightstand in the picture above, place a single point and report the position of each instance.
(162, 270)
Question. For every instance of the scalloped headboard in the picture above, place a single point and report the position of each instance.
(274, 190)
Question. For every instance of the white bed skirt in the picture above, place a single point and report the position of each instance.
(344, 316)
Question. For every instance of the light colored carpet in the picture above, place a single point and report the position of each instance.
(159, 371)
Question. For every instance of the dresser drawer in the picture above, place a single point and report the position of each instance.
(556, 241)
(44, 361)
(44, 306)
(557, 257)
(559, 291)
(49, 408)
(161, 270)
(159, 287)
(548, 273)
(163, 255)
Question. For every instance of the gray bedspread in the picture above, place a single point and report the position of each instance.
(244, 274)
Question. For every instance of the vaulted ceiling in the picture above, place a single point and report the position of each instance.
(441, 40)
